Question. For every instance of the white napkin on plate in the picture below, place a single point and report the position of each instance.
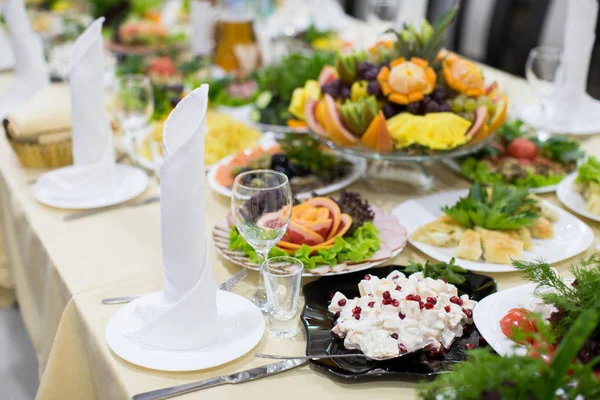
(31, 73)
(185, 316)
(93, 174)
(203, 16)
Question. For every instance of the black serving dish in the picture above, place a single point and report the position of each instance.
(318, 323)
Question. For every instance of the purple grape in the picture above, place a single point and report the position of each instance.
(389, 111)
(445, 107)
(371, 74)
(440, 95)
(373, 88)
(426, 99)
(414, 108)
(345, 92)
(431, 107)
(363, 67)
(332, 88)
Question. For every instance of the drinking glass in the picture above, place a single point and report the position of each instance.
(133, 107)
(383, 10)
(282, 282)
(545, 74)
(261, 204)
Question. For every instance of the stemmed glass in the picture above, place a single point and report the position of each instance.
(545, 74)
(261, 204)
(133, 108)
(384, 10)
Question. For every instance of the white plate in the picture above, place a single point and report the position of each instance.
(454, 165)
(358, 168)
(133, 180)
(571, 236)
(242, 327)
(490, 310)
(584, 122)
(572, 199)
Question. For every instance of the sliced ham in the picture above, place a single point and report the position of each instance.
(383, 253)
(394, 240)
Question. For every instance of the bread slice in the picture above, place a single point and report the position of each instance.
(443, 232)
(541, 229)
(469, 247)
(499, 247)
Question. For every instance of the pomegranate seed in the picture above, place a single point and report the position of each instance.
(454, 299)
(356, 310)
(357, 316)
(395, 278)
(441, 351)
(417, 297)
(447, 308)
(445, 281)
(394, 335)
(410, 297)
(337, 315)
(342, 302)
(398, 288)
(371, 304)
(468, 312)
(367, 277)
(421, 305)
(386, 294)
(395, 303)
(459, 302)
(429, 306)
(431, 300)
(432, 353)
(469, 346)
(402, 315)
(482, 341)
(370, 294)
(402, 348)
(386, 302)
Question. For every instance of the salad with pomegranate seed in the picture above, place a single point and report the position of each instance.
(515, 157)
(401, 314)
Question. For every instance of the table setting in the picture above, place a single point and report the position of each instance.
(230, 224)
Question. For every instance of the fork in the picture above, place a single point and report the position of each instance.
(87, 213)
(227, 285)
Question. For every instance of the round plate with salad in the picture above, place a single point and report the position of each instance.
(330, 236)
(515, 156)
(310, 168)
(580, 191)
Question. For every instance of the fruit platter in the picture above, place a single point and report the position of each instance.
(310, 168)
(330, 236)
(515, 156)
(404, 100)
(486, 228)
(279, 105)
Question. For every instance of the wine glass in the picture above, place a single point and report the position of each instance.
(383, 10)
(133, 108)
(545, 74)
(261, 204)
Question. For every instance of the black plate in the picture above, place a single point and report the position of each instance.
(318, 323)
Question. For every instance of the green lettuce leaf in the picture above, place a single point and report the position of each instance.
(589, 171)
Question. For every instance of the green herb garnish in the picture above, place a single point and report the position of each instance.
(511, 130)
(451, 272)
(477, 171)
(560, 148)
(589, 171)
(504, 208)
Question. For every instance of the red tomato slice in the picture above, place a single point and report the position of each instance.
(518, 318)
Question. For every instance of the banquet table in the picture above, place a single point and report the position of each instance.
(61, 271)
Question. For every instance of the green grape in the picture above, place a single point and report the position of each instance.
(470, 104)
(491, 108)
(457, 105)
(484, 101)
(468, 115)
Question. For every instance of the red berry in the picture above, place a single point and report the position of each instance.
(342, 302)
(367, 277)
(421, 305)
(386, 302)
(445, 281)
(395, 303)
(417, 297)
(356, 310)
(402, 348)
(469, 346)
(454, 299)
(337, 315)
(357, 315)
(386, 294)
(410, 297)
(468, 312)
(429, 306)
(398, 288)
(394, 335)
(402, 315)
(371, 304)
(447, 308)
(431, 300)
(459, 302)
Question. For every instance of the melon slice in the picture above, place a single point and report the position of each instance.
(310, 117)
(378, 136)
(327, 74)
(336, 131)
(481, 117)
(321, 227)
(334, 212)
(299, 234)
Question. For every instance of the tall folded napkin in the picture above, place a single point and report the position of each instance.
(92, 174)
(327, 15)
(31, 73)
(203, 16)
(7, 60)
(47, 112)
(170, 12)
(185, 316)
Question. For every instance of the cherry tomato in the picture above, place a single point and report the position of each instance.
(522, 148)
(518, 318)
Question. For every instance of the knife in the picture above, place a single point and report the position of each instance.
(238, 377)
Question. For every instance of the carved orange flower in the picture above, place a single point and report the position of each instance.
(407, 81)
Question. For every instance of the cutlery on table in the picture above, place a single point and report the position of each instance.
(227, 285)
(238, 377)
(136, 203)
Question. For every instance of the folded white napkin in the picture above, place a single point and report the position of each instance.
(203, 16)
(31, 73)
(185, 316)
(92, 174)
(7, 61)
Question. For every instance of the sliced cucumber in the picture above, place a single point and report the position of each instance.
(263, 100)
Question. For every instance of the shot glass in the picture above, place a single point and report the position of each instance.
(282, 277)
